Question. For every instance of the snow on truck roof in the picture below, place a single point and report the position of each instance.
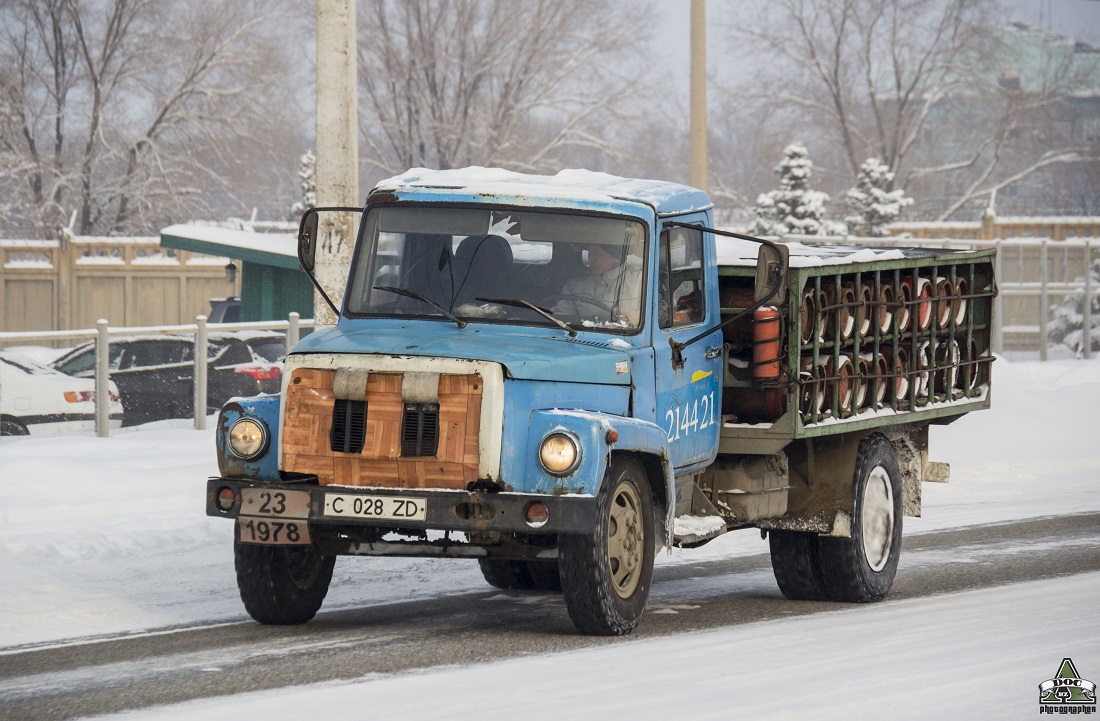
(733, 251)
(589, 186)
(578, 185)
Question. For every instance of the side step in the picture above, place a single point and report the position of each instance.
(693, 531)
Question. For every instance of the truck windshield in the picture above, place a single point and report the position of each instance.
(489, 264)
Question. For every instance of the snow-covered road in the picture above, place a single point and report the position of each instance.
(107, 536)
(973, 655)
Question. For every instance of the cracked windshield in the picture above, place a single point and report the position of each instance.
(579, 272)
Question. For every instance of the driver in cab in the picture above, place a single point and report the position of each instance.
(611, 291)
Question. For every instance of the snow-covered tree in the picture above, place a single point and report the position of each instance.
(1067, 327)
(307, 181)
(871, 203)
(793, 208)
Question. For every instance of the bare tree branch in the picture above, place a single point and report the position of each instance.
(135, 112)
(491, 82)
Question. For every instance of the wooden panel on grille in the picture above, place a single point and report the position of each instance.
(308, 424)
(306, 447)
(384, 409)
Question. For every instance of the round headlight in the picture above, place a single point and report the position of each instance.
(247, 438)
(559, 454)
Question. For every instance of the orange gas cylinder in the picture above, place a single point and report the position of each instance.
(765, 343)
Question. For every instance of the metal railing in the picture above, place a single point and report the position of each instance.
(103, 333)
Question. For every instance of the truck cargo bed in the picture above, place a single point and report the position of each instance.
(868, 338)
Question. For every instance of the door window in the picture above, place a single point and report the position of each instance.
(682, 296)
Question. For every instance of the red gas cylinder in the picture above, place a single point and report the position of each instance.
(765, 343)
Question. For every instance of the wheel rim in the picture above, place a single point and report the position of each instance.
(625, 539)
(877, 518)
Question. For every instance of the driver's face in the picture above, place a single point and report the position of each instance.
(599, 260)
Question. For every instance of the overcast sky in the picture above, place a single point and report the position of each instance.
(1078, 19)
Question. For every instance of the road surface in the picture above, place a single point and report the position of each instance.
(105, 675)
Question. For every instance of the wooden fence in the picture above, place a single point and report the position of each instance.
(70, 283)
(1042, 259)
(994, 227)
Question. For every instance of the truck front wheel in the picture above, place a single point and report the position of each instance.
(862, 568)
(282, 585)
(606, 574)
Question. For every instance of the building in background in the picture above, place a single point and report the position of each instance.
(1029, 100)
(271, 283)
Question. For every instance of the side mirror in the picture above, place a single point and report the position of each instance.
(771, 271)
(307, 240)
(308, 230)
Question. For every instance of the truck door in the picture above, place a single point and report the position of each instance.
(688, 397)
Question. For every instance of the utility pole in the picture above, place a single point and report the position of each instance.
(699, 94)
(337, 148)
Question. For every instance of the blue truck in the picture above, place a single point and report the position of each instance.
(559, 376)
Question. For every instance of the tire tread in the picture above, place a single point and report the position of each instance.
(269, 594)
(796, 565)
(844, 570)
(590, 598)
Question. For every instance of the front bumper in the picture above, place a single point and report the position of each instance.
(447, 510)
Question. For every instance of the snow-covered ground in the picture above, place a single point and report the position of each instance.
(108, 536)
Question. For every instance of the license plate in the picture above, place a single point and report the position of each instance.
(274, 532)
(274, 503)
(384, 508)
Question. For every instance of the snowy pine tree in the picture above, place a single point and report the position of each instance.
(307, 181)
(872, 206)
(1067, 327)
(793, 208)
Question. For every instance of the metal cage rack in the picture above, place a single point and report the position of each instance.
(862, 344)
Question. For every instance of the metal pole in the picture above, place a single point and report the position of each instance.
(337, 147)
(292, 333)
(102, 379)
(698, 164)
(200, 373)
(1044, 301)
(998, 304)
(1088, 299)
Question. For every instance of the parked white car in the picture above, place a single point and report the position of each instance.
(36, 400)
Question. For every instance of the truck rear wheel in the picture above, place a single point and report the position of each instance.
(862, 568)
(606, 574)
(545, 575)
(282, 585)
(796, 565)
(500, 573)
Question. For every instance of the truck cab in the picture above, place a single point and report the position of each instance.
(527, 370)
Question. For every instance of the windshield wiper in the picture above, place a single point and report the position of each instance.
(520, 303)
(417, 296)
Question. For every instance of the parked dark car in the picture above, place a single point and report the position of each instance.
(264, 344)
(155, 374)
(225, 310)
